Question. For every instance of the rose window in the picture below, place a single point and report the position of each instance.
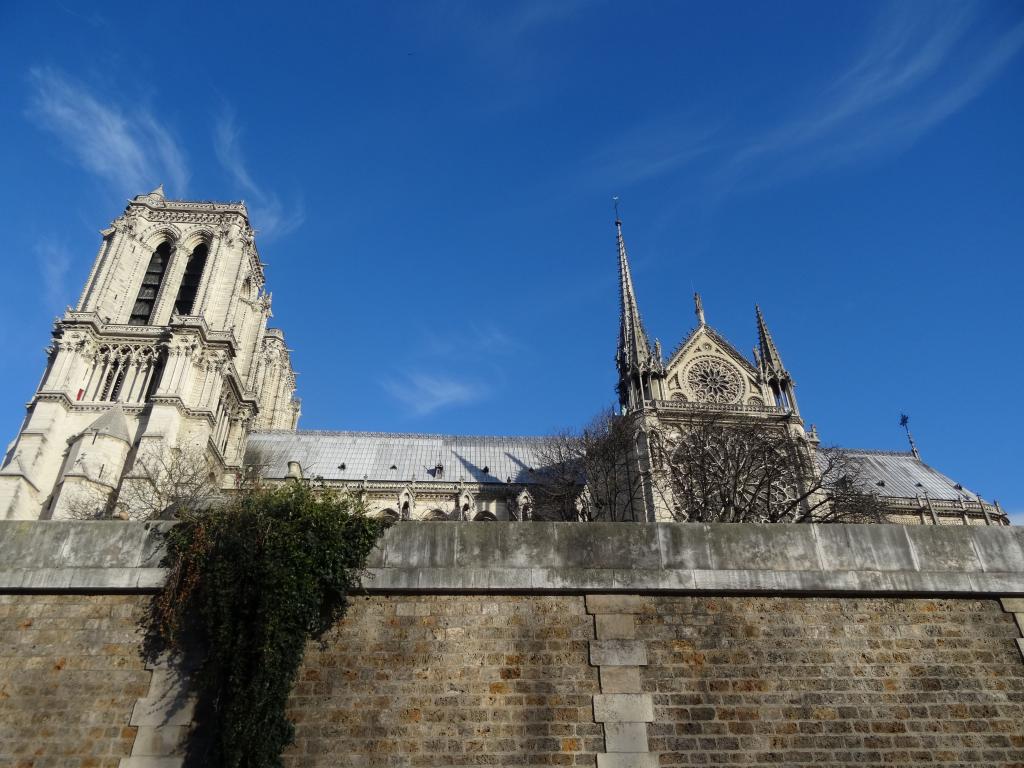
(714, 381)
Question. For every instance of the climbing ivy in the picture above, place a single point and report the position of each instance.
(250, 582)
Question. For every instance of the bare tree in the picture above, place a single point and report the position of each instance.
(168, 484)
(725, 470)
(590, 475)
(90, 502)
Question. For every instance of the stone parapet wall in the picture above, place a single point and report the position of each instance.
(605, 645)
(583, 557)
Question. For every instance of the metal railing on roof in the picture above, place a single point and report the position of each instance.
(690, 405)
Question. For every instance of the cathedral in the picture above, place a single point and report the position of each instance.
(168, 350)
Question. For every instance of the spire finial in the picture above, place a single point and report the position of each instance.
(769, 353)
(698, 307)
(905, 423)
(615, 205)
(158, 192)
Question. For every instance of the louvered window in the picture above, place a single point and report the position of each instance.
(142, 312)
(186, 300)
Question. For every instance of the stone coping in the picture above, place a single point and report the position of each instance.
(77, 556)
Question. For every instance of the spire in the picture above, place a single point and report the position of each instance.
(158, 192)
(769, 353)
(774, 372)
(634, 348)
(698, 307)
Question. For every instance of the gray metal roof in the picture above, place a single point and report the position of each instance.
(414, 457)
(906, 476)
(372, 455)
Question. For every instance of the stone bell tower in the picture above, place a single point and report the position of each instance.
(168, 347)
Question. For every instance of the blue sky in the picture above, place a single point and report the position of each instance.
(432, 183)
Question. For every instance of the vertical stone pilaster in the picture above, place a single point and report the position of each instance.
(1015, 605)
(621, 707)
(163, 718)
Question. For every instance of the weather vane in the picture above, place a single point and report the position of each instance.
(905, 423)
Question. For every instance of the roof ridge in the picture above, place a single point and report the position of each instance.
(361, 433)
(877, 452)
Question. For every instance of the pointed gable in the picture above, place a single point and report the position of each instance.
(705, 366)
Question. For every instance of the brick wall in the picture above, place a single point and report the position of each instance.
(826, 681)
(450, 680)
(70, 673)
(505, 680)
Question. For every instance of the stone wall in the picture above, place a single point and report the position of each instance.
(70, 675)
(495, 644)
(470, 680)
(450, 680)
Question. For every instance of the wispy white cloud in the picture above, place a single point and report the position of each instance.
(483, 348)
(651, 149)
(269, 215)
(128, 149)
(921, 64)
(53, 261)
(424, 393)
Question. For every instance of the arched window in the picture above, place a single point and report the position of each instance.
(142, 312)
(183, 305)
(436, 514)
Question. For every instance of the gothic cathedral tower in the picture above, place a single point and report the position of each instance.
(168, 348)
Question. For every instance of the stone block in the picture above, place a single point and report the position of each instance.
(103, 578)
(607, 545)
(620, 679)
(998, 548)
(768, 547)
(165, 741)
(627, 760)
(684, 546)
(1013, 604)
(151, 762)
(618, 653)
(150, 579)
(625, 737)
(623, 708)
(614, 604)
(11, 579)
(615, 626)
(864, 548)
(101, 544)
(163, 710)
(420, 545)
(153, 544)
(943, 548)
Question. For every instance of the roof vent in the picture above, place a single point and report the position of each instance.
(958, 487)
(341, 466)
(487, 469)
(508, 479)
(393, 467)
(880, 483)
(438, 470)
